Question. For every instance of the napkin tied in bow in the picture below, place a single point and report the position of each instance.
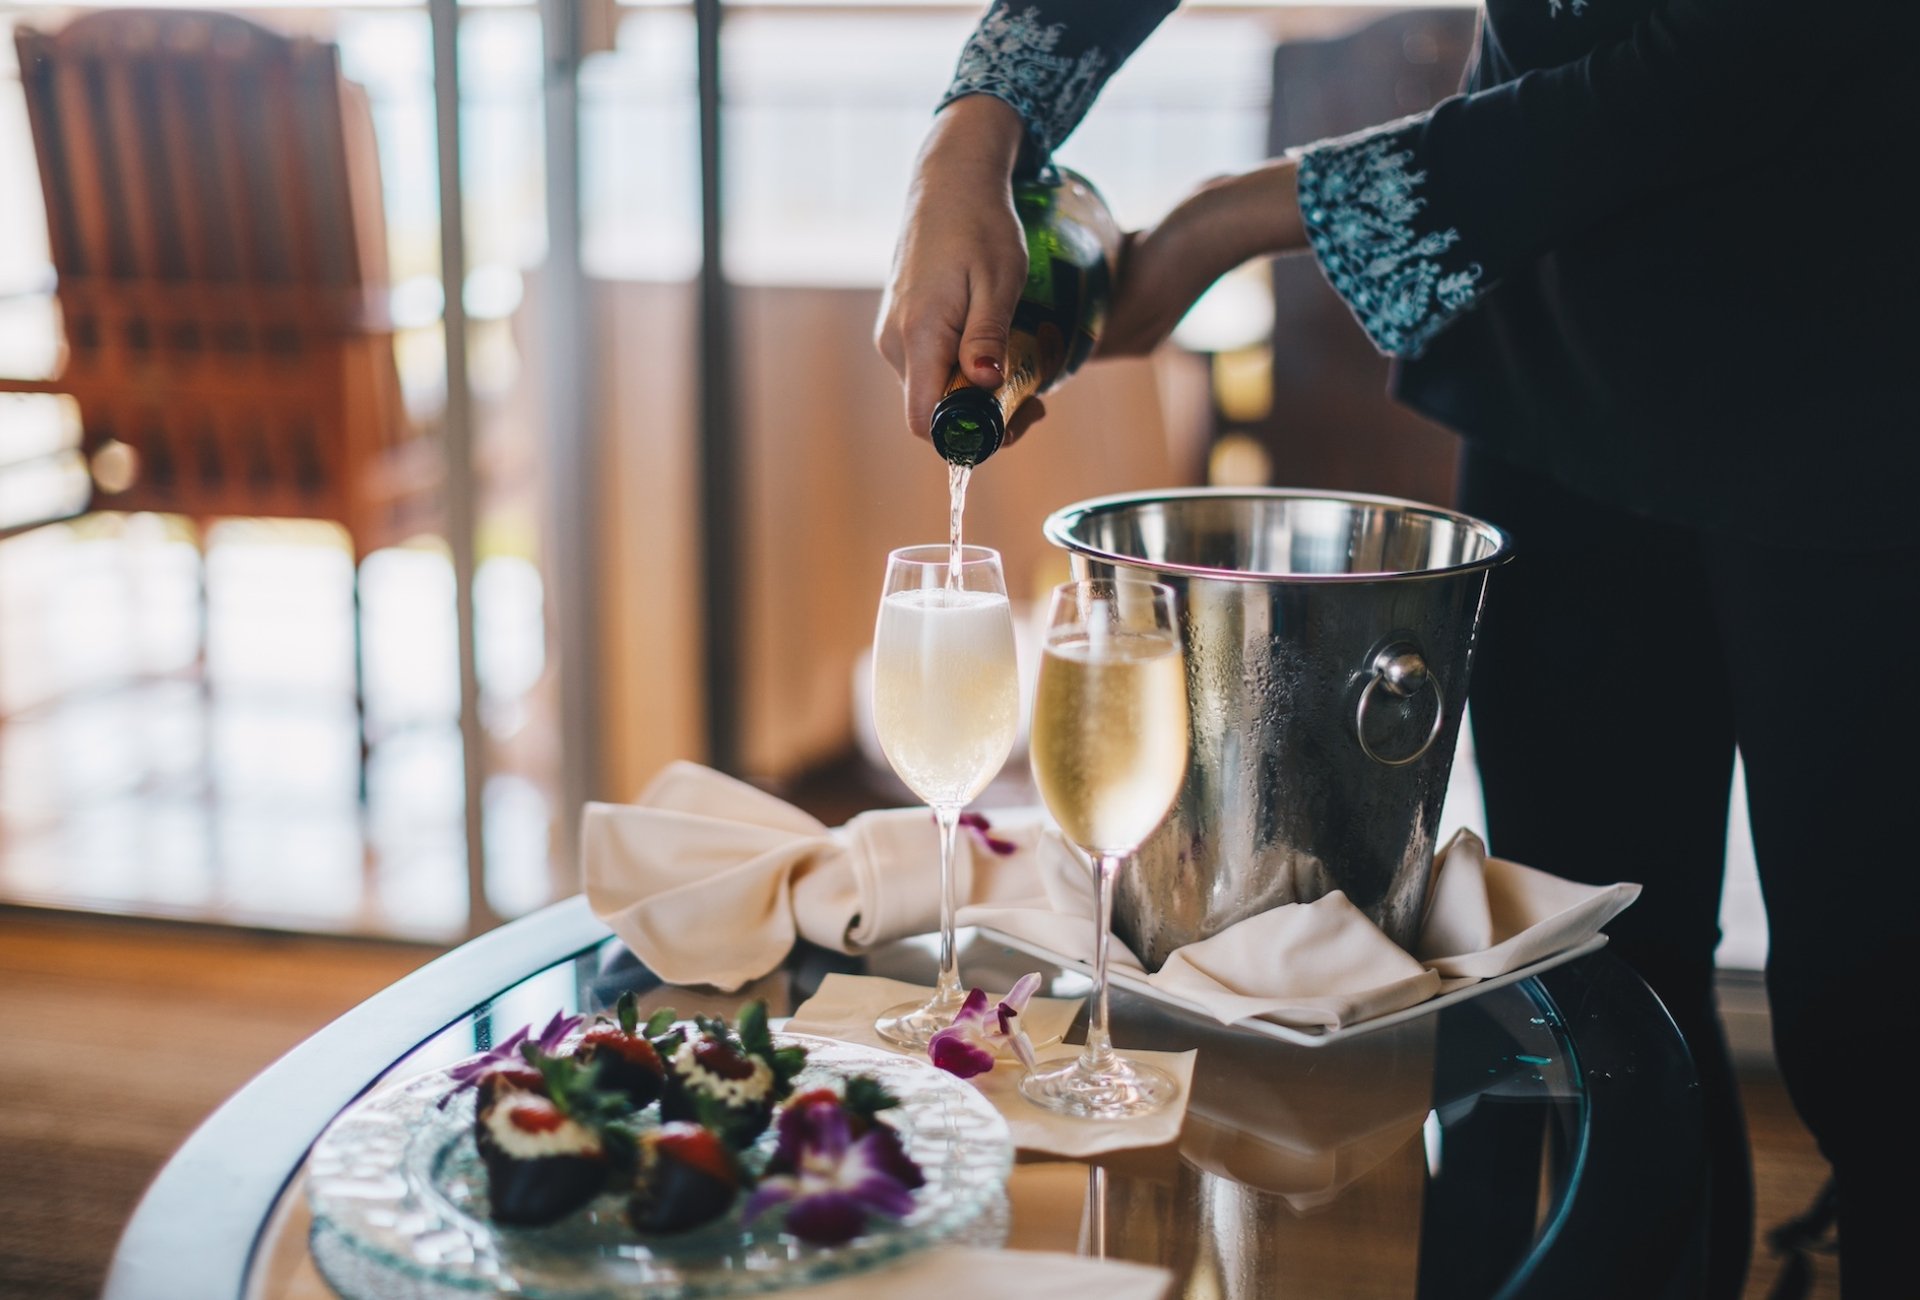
(710, 880)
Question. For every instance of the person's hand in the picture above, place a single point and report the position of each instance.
(1163, 270)
(960, 260)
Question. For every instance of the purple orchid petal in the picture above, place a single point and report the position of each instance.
(827, 1181)
(1023, 1046)
(507, 1049)
(980, 826)
(771, 1192)
(968, 1046)
(817, 1127)
(468, 1073)
(1016, 1000)
(864, 1173)
(831, 1134)
(973, 1011)
(887, 1154)
(1022, 991)
(957, 1052)
(556, 1032)
(882, 1195)
(789, 1140)
(827, 1218)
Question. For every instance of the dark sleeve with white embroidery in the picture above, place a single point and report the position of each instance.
(1402, 269)
(1049, 59)
(1414, 221)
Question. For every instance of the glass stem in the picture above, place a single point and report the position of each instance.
(947, 988)
(1099, 1053)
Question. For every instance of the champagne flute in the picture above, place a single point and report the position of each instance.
(946, 704)
(1109, 748)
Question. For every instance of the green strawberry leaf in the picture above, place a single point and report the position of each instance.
(754, 1034)
(787, 1062)
(866, 1096)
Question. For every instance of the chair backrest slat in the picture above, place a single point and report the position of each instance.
(214, 212)
(286, 160)
(50, 145)
(83, 169)
(176, 86)
(136, 231)
(183, 145)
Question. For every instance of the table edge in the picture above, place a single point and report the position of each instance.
(193, 1233)
(1632, 1223)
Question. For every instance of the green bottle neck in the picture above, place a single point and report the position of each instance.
(968, 425)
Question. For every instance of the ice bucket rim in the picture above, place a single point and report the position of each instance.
(1058, 530)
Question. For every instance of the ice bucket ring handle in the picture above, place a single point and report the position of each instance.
(1400, 670)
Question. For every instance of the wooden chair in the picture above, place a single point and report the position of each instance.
(213, 204)
(214, 210)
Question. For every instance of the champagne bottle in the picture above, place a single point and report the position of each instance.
(1073, 244)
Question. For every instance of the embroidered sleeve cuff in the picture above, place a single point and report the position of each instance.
(1404, 270)
(1050, 75)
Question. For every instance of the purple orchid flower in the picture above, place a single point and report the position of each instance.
(971, 1044)
(830, 1181)
(468, 1073)
(982, 828)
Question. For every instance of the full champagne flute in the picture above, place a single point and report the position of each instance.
(1109, 748)
(946, 705)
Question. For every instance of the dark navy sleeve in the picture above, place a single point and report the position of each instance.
(1413, 221)
(1049, 59)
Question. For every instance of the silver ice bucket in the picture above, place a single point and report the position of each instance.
(1328, 640)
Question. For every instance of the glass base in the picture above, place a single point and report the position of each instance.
(912, 1025)
(1123, 1090)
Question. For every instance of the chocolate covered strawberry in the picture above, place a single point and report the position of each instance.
(508, 1076)
(729, 1081)
(687, 1176)
(542, 1164)
(624, 1059)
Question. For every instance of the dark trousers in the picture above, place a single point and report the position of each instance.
(1619, 662)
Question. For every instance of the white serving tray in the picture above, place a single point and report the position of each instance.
(1133, 983)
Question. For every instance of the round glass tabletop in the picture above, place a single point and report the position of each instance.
(1451, 1155)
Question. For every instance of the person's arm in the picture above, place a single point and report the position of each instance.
(1023, 81)
(1414, 221)
(1049, 59)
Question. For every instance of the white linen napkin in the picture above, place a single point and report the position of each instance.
(1038, 1129)
(709, 881)
(1324, 964)
(845, 1006)
(967, 1273)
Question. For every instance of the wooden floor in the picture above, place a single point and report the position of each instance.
(122, 1035)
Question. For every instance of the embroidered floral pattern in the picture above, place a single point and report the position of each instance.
(1360, 200)
(1557, 7)
(1014, 57)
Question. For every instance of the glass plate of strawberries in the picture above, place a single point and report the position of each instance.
(665, 1158)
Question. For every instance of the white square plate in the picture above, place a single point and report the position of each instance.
(1304, 1037)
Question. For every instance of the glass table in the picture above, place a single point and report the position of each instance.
(1540, 1139)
